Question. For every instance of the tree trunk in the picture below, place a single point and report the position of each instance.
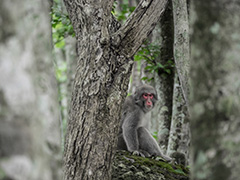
(71, 58)
(181, 45)
(101, 82)
(179, 139)
(215, 101)
(29, 130)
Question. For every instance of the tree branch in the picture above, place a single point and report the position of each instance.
(138, 26)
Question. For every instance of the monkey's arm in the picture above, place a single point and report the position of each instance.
(129, 130)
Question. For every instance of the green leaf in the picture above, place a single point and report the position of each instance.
(131, 9)
(129, 94)
(151, 79)
(180, 171)
(144, 78)
(60, 44)
(155, 68)
(160, 65)
(61, 26)
(138, 58)
(155, 137)
(168, 71)
(149, 67)
(155, 134)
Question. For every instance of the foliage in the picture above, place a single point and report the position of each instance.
(155, 135)
(61, 72)
(125, 11)
(150, 54)
(61, 26)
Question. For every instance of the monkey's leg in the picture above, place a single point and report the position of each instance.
(149, 144)
(122, 146)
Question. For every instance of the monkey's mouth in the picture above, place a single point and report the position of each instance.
(148, 106)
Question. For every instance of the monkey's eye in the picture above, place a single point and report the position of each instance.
(151, 96)
(145, 95)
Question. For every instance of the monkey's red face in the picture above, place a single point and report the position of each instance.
(145, 98)
(148, 100)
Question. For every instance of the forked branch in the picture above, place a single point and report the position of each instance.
(138, 26)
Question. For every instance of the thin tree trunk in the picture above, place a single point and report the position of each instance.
(101, 82)
(181, 45)
(179, 138)
(180, 134)
(215, 102)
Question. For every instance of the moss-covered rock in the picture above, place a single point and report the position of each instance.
(131, 167)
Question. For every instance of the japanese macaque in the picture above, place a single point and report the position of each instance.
(134, 135)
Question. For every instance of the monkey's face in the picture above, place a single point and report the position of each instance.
(148, 101)
(145, 97)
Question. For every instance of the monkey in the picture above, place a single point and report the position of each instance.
(134, 135)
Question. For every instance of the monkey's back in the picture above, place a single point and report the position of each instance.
(128, 106)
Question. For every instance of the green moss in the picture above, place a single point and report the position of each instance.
(158, 165)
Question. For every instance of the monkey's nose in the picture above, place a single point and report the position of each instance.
(149, 103)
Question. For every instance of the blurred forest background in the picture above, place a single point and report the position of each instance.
(38, 61)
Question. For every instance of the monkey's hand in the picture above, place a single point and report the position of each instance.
(138, 153)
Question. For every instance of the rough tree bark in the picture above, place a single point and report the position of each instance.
(29, 123)
(215, 84)
(179, 139)
(101, 81)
